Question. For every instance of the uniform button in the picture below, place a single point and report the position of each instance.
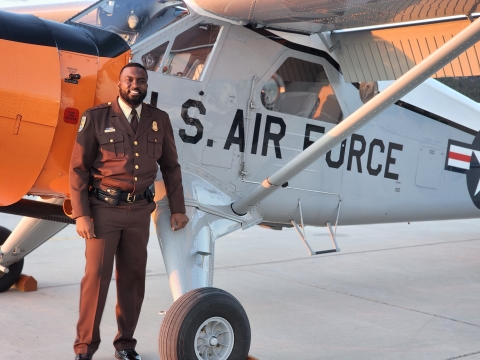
(137, 154)
(135, 178)
(136, 166)
(155, 140)
(111, 140)
(135, 143)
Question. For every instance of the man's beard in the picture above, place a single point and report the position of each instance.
(132, 102)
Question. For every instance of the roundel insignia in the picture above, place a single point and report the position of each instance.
(465, 158)
(473, 174)
(82, 123)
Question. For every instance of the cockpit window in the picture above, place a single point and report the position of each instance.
(153, 58)
(134, 20)
(301, 88)
(191, 51)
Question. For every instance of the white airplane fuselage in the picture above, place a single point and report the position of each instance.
(391, 170)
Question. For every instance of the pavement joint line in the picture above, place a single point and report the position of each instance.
(224, 267)
(364, 298)
(342, 254)
(383, 229)
(462, 356)
(74, 284)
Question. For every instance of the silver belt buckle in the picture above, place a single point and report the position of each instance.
(130, 198)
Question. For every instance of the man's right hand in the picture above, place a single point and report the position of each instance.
(85, 227)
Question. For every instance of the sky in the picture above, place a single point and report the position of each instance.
(10, 3)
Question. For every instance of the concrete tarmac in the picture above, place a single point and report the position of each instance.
(395, 291)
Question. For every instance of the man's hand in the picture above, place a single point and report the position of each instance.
(178, 221)
(85, 227)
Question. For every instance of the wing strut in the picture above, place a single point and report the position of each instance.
(407, 82)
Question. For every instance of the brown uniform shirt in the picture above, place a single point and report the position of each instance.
(107, 154)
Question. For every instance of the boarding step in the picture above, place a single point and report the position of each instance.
(300, 228)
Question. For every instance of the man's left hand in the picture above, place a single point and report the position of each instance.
(178, 221)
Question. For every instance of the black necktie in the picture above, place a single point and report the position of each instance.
(134, 121)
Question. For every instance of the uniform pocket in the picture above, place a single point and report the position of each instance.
(154, 143)
(111, 145)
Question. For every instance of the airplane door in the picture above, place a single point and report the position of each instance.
(295, 104)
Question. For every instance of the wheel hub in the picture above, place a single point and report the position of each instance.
(214, 339)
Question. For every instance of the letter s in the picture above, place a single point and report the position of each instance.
(192, 121)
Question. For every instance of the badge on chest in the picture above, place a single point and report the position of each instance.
(154, 126)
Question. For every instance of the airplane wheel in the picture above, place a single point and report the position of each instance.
(204, 324)
(15, 270)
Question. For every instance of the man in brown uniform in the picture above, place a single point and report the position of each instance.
(114, 163)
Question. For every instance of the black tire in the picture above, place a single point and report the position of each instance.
(15, 270)
(190, 311)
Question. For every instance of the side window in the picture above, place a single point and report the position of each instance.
(302, 88)
(153, 58)
(132, 20)
(162, 19)
(191, 50)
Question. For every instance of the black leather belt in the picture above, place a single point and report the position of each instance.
(113, 196)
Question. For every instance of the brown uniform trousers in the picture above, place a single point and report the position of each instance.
(108, 154)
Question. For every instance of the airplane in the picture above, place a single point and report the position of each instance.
(285, 114)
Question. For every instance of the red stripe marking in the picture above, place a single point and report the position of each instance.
(457, 156)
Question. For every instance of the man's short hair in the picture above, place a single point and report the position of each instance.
(137, 65)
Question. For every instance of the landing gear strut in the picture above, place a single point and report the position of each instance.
(205, 323)
(14, 270)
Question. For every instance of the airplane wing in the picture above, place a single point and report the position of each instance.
(372, 39)
(318, 16)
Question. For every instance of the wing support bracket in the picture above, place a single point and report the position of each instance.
(301, 232)
(332, 48)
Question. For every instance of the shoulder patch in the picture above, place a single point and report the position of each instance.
(82, 123)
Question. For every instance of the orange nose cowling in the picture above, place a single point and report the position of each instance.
(49, 75)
